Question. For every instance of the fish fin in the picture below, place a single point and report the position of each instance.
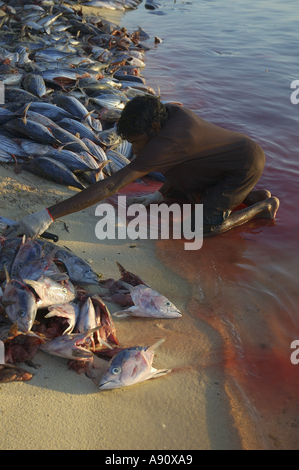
(94, 330)
(64, 145)
(131, 311)
(88, 114)
(68, 331)
(24, 114)
(6, 274)
(121, 314)
(7, 303)
(126, 285)
(103, 164)
(158, 373)
(122, 270)
(156, 345)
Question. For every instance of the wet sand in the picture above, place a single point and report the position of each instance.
(58, 409)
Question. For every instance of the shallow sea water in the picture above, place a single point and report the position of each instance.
(233, 64)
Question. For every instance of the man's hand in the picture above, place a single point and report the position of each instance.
(32, 226)
(155, 198)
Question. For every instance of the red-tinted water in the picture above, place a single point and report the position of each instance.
(233, 64)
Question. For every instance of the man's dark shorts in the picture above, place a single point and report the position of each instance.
(231, 189)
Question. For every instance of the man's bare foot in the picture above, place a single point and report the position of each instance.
(256, 196)
(265, 209)
(271, 210)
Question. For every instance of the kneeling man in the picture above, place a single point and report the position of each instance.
(209, 164)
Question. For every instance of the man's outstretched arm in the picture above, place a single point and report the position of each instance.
(35, 224)
(95, 193)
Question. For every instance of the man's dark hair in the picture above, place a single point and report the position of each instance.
(139, 114)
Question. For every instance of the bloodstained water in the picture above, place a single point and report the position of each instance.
(233, 64)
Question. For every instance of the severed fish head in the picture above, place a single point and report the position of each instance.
(9, 250)
(74, 346)
(20, 304)
(69, 311)
(51, 292)
(78, 270)
(131, 366)
(29, 251)
(149, 303)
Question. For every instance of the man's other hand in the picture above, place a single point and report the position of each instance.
(155, 198)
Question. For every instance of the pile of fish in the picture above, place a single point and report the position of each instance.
(67, 80)
(45, 305)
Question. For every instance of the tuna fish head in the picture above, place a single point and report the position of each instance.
(69, 311)
(23, 310)
(130, 366)
(74, 346)
(9, 249)
(69, 346)
(28, 252)
(78, 270)
(149, 303)
(50, 292)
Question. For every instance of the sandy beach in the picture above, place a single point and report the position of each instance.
(58, 409)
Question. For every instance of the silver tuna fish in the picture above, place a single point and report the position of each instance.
(131, 366)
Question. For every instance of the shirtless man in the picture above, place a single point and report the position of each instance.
(211, 165)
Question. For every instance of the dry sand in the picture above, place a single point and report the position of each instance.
(189, 409)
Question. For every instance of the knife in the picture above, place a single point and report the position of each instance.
(49, 236)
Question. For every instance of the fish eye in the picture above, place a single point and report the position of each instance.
(20, 266)
(22, 313)
(168, 304)
(64, 290)
(116, 370)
